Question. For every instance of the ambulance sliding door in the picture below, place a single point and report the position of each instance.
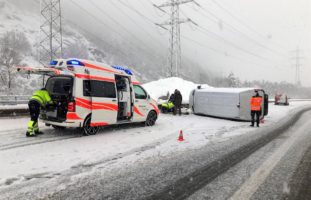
(104, 103)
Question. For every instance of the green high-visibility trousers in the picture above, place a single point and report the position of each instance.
(32, 127)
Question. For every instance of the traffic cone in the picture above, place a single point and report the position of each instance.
(181, 136)
(262, 121)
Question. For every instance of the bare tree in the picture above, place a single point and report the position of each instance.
(14, 46)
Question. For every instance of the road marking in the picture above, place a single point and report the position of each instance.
(251, 185)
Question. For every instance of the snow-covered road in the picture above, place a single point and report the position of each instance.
(57, 154)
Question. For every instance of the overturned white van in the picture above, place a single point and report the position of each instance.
(228, 103)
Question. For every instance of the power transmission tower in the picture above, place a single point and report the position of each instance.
(50, 31)
(50, 46)
(174, 29)
(298, 65)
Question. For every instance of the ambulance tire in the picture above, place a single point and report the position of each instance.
(87, 129)
(151, 118)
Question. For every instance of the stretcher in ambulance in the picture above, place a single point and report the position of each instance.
(90, 95)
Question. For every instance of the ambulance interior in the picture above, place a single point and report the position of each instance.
(125, 99)
(60, 90)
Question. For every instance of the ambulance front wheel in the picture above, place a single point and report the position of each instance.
(151, 118)
(87, 129)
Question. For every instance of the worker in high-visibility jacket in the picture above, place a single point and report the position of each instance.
(255, 104)
(40, 99)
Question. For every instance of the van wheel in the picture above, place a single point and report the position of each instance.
(151, 118)
(87, 128)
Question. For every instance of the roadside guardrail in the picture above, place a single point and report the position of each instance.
(13, 99)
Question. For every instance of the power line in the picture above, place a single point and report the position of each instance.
(219, 38)
(95, 36)
(110, 27)
(116, 22)
(237, 30)
(222, 53)
(135, 23)
(137, 12)
(241, 22)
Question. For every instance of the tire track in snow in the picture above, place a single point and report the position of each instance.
(13, 139)
(33, 142)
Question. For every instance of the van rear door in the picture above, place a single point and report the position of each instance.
(39, 71)
(102, 91)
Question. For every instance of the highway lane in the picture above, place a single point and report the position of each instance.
(274, 171)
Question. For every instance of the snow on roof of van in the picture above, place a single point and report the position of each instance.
(226, 90)
(161, 87)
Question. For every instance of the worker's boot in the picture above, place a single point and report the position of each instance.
(30, 129)
(36, 129)
(28, 134)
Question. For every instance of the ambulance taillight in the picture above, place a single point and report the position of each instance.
(71, 106)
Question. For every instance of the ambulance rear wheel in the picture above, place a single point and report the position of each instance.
(87, 128)
(151, 118)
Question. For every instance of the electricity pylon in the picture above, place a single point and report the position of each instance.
(174, 28)
(50, 31)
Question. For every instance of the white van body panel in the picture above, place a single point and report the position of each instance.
(230, 103)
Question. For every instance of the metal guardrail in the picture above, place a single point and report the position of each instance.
(14, 99)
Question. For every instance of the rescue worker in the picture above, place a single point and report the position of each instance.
(169, 106)
(255, 102)
(40, 99)
(177, 102)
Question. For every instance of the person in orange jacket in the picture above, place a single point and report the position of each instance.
(255, 103)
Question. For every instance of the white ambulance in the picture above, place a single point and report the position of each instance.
(91, 94)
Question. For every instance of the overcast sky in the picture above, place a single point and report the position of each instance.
(254, 39)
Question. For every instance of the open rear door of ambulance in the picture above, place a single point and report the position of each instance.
(38, 71)
(104, 102)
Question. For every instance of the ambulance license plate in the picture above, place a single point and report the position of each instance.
(51, 114)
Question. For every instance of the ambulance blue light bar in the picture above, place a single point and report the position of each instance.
(75, 62)
(128, 71)
(53, 62)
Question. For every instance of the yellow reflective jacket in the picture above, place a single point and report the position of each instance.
(167, 105)
(42, 96)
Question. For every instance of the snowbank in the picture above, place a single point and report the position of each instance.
(12, 107)
(161, 87)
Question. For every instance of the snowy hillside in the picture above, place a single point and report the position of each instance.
(161, 87)
(80, 43)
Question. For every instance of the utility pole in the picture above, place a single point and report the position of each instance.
(298, 65)
(51, 44)
(173, 25)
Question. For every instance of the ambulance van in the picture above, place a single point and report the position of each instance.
(90, 95)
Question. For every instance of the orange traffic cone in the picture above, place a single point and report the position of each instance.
(262, 121)
(181, 136)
